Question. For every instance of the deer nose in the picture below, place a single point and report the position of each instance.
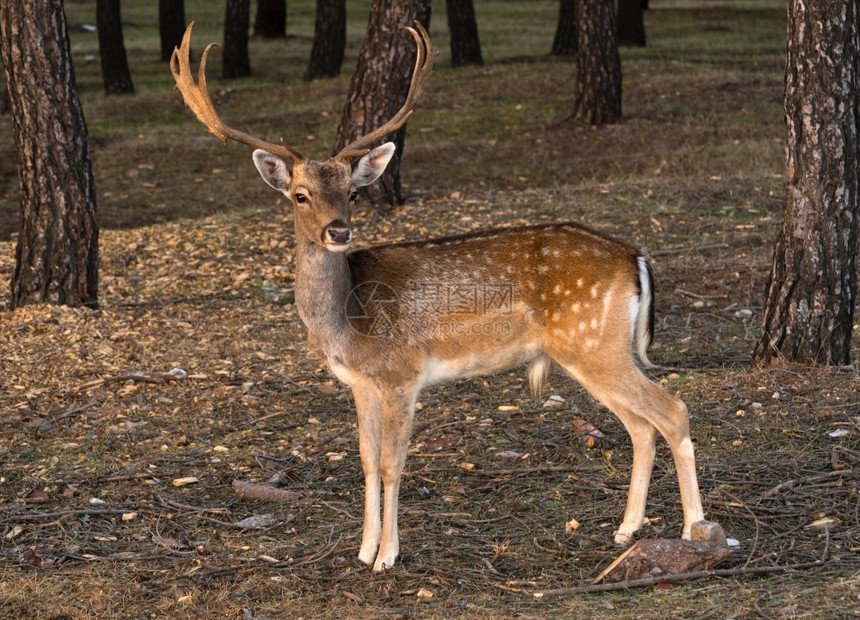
(337, 232)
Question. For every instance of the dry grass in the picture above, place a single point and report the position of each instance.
(197, 273)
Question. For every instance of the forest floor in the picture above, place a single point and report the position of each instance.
(116, 496)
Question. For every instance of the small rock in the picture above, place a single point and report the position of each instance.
(554, 402)
(708, 531)
(257, 522)
(179, 373)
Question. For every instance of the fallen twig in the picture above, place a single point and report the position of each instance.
(649, 581)
(790, 484)
(77, 410)
(514, 471)
(93, 512)
(695, 248)
(263, 492)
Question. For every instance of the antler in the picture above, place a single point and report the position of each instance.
(423, 68)
(197, 98)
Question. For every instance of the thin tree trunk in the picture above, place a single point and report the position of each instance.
(117, 77)
(329, 40)
(598, 88)
(631, 23)
(465, 44)
(379, 85)
(564, 43)
(56, 259)
(271, 19)
(237, 18)
(812, 288)
(171, 26)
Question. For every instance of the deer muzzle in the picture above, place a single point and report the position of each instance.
(336, 236)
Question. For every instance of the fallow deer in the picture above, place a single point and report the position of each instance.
(394, 318)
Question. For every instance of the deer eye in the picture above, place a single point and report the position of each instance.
(353, 195)
(301, 199)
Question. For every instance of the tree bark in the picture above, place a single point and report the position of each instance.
(237, 18)
(564, 43)
(465, 44)
(598, 88)
(56, 258)
(271, 19)
(115, 72)
(329, 40)
(631, 23)
(812, 288)
(171, 26)
(380, 83)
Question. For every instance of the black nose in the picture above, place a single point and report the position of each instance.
(337, 232)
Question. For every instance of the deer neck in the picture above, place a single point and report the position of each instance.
(323, 282)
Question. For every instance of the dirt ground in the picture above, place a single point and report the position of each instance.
(116, 496)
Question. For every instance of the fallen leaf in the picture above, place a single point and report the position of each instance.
(821, 524)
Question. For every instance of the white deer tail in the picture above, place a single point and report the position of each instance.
(643, 311)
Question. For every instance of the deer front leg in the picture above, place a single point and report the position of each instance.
(396, 428)
(369, 445)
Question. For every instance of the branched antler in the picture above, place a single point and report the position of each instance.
(423, 68)
(196, 97)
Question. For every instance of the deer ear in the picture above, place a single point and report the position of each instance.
(273, 170)
(372, 165)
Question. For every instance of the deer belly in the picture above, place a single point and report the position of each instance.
(439, 370)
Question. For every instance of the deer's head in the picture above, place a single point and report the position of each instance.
(322, 193)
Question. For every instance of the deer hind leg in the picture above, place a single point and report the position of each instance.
(642, 407)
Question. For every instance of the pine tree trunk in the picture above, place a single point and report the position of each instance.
(564, 43)
(598, 88)
(329, 40)
(465, 44)
(56, 259)
(380, 83)
(271, 19)
(631, 23)
(237, 18)
(117, 77)
(171, 26)
(812, 287)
